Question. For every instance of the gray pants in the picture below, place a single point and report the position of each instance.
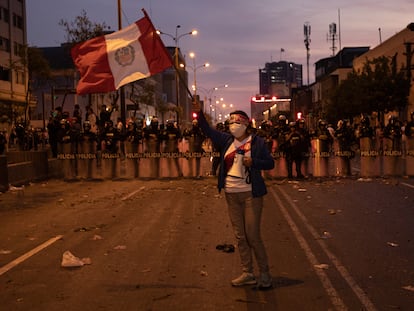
(245, 215)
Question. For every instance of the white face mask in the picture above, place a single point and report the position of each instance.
(237, 130)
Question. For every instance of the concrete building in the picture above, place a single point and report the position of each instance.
(14, 97)
(276, 78)
(400, 47)
(329, 72)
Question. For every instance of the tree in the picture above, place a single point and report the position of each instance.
(378, 87)
(38, 66)
(82, 28)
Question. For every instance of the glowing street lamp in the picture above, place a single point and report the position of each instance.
(176, 39)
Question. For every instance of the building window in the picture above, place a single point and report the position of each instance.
(4, 14)
(18, 49)
(4, 44)
(4, 74)
(17, 21)
(20, 77)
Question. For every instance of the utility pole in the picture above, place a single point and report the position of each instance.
(307, 32)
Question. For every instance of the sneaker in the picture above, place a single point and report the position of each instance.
(265, 281)
(244, 279)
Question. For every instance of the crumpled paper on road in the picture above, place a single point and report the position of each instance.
(71, 261)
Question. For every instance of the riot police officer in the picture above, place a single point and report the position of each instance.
(322, 132)
(305, 143)
(409, 128)
(344, 137)
(170, 137)
(392, 134)
(152, 137)
(109, 138)
(365, 129)
(133, 142)
(195, 139)
(294, 150)
(265, 131)
(279, 133)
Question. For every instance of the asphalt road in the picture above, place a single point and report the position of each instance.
(333, 244)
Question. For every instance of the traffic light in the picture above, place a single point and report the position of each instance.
(195, 115)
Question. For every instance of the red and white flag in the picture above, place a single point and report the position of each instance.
(107, 62)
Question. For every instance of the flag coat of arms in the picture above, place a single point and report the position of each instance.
(108, 62)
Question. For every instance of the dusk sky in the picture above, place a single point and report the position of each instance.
(237, 37)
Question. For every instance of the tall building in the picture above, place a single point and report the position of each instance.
(13, 69)
(277, 74)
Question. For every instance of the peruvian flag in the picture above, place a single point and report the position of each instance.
(107, 62)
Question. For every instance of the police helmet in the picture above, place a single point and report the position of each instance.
(300, 121)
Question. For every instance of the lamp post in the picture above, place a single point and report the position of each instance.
(225, 110)
(194, 68)
(209, 93)
(176, 39)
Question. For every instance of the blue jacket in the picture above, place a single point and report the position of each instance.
(261, 157)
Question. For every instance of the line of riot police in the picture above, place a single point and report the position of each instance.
(327, 150)
(323, 150)
(85, 152)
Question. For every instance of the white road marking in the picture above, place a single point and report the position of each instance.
(363, 298)
(29, 254)
(132, 194)
(326, 282)
(407, 185)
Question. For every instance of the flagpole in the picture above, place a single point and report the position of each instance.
(121, 90)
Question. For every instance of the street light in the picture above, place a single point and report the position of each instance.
(209, 93)
(225, 110)
(176, 39)
(194, 68)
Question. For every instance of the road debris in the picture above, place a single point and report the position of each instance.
(96, 237)
(120, 247)
(227, 248)
(326, 235)
(409, 287)
(322, 266)
(392, 244)
(203, 273)
(71, 261)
